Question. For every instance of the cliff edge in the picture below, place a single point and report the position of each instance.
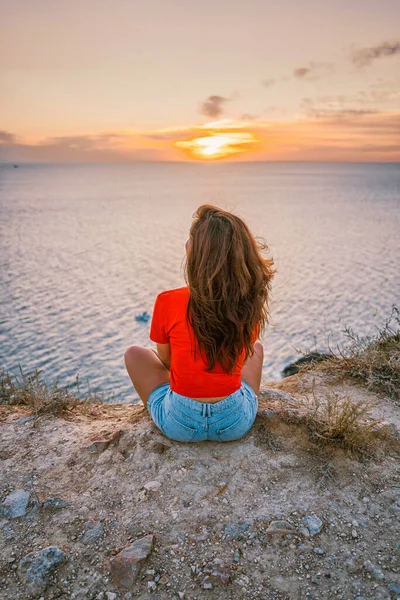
(97, 504)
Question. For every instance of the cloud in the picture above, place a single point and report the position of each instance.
(385, 94)
(7, 137)
(248, 117)
(365, 56)
(368, 101)
(268, 82)
(313, 71)
(102, 147)
(84, 142)
(327, 132)
(341, 113)
(301, 72)
(213, 107)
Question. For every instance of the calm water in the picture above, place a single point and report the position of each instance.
(85, 248)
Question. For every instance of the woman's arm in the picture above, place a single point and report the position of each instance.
(164, 354)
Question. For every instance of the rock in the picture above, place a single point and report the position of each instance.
(93, 532)
(280, 527)
(159, 447)
(83, 511)
(127, 564)
(272, 394)
(24, 420)
(393, 587)
(54, 504)
(111, 596)
(217, 573)
(305, 531)
(206, 585)
(308, 358)
(235, 531)
(266, 412)
(319, 551)
(313, 524)
(152, 486)
(35, 568)
(373, 570)
(99, 442)
(15, 504)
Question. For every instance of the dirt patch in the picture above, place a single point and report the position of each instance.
(209, 506)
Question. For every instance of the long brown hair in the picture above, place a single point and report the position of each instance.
(229, 283)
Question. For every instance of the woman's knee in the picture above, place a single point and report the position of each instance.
(131, 354)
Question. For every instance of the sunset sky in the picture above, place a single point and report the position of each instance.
(112, 80)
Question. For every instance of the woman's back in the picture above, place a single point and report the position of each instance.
(188, 371)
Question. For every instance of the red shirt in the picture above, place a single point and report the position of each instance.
(188, 376)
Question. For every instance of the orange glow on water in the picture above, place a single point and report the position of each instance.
(217, 145)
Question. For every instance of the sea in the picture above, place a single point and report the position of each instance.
(85, 248)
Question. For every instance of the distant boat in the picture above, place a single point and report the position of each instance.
(16, 166)
(144, 316)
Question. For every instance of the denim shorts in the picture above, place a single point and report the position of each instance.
(183, 419)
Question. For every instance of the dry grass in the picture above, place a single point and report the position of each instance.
(28, 389)
(342, 422)
(373, 361)
(335, 421)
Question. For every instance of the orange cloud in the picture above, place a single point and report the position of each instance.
(323, 134)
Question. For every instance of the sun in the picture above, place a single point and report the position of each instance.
(217, 145)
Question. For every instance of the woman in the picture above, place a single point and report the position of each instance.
(203, 381)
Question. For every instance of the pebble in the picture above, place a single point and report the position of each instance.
(393, 587)
(15, 504)
(235, 530)
(243, 581)
(54, 504)
(83, 511)
(313, 523)
(35, 568)
(280, 527)
(216, 572)
(365, 500)
(374, 570)
(206, 585)
(354, 533)
(152, 486)
(111, 596)
(93, 533)
(319, 550)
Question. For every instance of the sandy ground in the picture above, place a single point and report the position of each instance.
(210, 511)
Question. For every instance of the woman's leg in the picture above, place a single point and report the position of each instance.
(252, 369)
(145, 370)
